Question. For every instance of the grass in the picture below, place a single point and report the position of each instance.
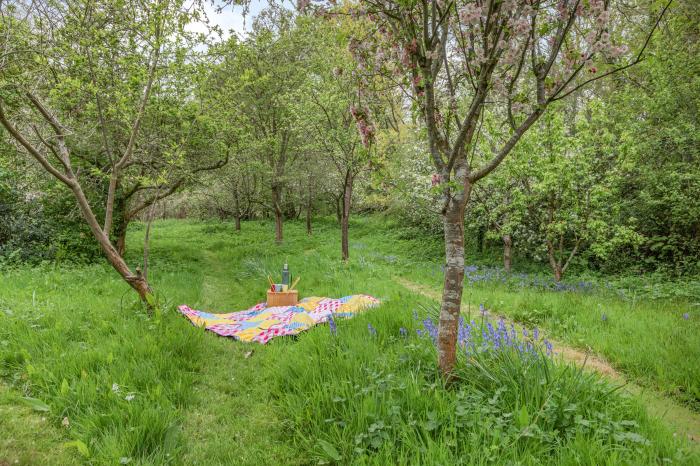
(140, 390)
(28, 437)
(649, 341)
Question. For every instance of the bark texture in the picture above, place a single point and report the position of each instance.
(453, 223)
(345, 220)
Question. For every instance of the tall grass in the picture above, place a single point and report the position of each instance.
(117, 386)
(375, 398)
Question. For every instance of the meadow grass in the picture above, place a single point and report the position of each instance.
(649, 341)
(655, 342)
(115, 385)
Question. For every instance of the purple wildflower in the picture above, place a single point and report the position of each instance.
(536, 333)
(604, 318)
(372, 330)
(430, 327)
(686, 316)
(331, 325)
(548, 346)
(403, 332)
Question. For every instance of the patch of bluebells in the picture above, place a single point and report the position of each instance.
(493, 338)
(476, 274)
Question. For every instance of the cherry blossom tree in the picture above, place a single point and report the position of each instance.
(460, 62)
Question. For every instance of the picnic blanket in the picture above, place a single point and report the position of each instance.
(261, 323)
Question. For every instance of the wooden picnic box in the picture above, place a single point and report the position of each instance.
(282, 298)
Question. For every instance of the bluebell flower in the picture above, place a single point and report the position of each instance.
(686, 316)
(548, 346)
(372, 330)
(331, 325)
(430, 327)
(604, 318)
(403, 332)
(536, 333)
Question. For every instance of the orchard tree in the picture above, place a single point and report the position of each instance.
(339, 115)
(260, 79)
(460, 61)
(74, 69)
(180, 143)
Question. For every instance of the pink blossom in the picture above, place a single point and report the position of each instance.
(364, 126)
(470, 14)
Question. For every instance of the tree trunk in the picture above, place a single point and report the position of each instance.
(507, 253)
(480, 238)
(308, 220)
(121, 240)
(276, 200)
(135, 281)
(237, 208)
(121, 225)
(553, 262)
(453, 221)
(338, 210)
(278, 226)
(345, 220)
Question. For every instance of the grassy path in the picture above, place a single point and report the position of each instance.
(231, 419)
(679, 418)
(158, 391)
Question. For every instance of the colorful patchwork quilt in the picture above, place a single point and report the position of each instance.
(261, 323)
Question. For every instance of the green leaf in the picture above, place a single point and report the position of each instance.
(65, 388)
(330, 450)
(171, 437)
(80, 446)
(523, 417)
(36, 404)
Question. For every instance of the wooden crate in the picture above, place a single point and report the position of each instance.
(283, 298)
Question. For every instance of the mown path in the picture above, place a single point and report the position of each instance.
(231, 418)
(679, 418)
